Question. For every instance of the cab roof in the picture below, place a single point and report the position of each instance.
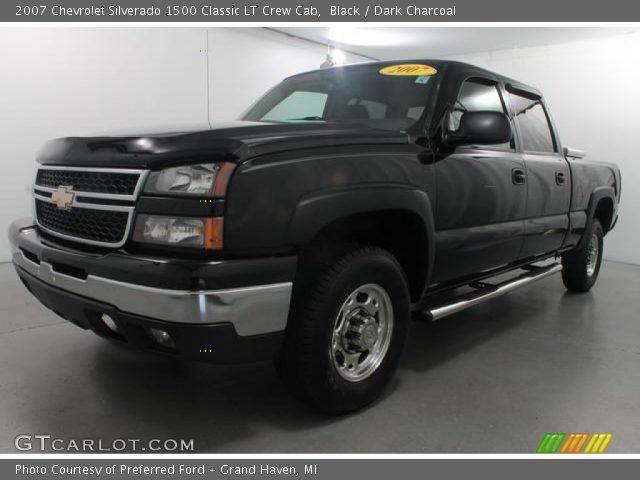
(452, 68)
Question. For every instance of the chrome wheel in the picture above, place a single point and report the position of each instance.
(593, 253)
(362, 332)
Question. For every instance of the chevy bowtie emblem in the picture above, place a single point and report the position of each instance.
(63, 197)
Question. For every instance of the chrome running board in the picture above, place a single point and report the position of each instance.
(486, 292)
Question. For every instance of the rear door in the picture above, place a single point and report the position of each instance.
(481, 196)
(547, 177)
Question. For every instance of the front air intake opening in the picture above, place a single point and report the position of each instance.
(32, 257)
(69, 271)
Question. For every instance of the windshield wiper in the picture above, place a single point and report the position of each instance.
(310, 119)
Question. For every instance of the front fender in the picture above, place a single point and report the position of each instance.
(319, 209)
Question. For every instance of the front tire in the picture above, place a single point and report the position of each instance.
(580, 268)
(346, 330)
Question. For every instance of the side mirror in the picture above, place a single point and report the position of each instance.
(574, 153)
(480, 128)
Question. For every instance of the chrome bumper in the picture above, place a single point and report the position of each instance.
(252, 310)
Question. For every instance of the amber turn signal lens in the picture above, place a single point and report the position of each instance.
(222, 179)
(213, 233)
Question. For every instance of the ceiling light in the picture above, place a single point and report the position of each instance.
(338, 57)
(334, 57)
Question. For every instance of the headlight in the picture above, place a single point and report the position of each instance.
(179, 231)
(206, 179)
(201, 180)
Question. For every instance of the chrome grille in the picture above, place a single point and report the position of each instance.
(98, 203)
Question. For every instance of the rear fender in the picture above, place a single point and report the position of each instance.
(598, 194)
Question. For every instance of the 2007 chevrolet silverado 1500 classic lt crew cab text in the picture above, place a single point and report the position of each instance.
(346, 201)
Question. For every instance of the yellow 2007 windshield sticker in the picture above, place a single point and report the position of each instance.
(413, 69)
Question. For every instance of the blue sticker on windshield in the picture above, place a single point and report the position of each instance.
(422, 79)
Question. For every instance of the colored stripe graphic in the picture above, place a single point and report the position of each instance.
(550, 443)
(573, 442)
(569, 443)
(581, 442)
(598, 443)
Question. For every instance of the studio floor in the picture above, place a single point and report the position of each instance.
(494, 378)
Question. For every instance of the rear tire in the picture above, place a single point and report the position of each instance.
(580, 268)
(346, 330)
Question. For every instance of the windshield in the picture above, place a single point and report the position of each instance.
(357, 94)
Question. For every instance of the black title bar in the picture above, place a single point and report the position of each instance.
(370, 11)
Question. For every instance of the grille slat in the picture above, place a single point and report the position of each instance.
(83, 223)
(116, 183)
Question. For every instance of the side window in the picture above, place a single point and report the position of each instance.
(298, 106)
(478, 95)
(534, 124)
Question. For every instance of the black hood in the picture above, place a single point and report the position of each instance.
(236, 142)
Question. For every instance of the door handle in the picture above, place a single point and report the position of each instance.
(560, 179)
(518, 176)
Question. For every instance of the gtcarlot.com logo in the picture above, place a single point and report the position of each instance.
(45, 443)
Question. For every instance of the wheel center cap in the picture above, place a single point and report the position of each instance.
(369, 336)
(361, 332)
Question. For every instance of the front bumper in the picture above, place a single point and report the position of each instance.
(231, 320)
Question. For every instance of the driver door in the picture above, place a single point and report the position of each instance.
(481, 196)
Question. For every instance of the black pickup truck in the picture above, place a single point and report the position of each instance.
(345, 202)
